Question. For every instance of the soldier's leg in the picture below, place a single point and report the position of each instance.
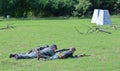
(26, 56)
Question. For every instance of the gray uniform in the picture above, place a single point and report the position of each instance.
(47, 51)
(26, 56)
(31, 54)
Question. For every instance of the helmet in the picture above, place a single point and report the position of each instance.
(54, 46)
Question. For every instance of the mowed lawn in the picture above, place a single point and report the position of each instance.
(103, 48)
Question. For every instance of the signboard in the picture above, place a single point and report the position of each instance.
(95, 15)
(101, 17)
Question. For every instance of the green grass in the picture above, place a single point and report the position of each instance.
(28, 34)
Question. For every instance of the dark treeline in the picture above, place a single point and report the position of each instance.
(45, 8)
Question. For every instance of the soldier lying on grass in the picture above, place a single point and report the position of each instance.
(33, 53)
(64, 54)
(46, 52)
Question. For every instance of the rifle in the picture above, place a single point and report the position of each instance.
(61, 50)
(81, 55)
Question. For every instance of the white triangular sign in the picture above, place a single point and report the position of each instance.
(95, 15)
(101, 17)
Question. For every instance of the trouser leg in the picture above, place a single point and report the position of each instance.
(26, 56)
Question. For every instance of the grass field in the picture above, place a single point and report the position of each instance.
(28, 34)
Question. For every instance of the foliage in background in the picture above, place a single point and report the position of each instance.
(82, 7)
(42, 8)
(117, 7)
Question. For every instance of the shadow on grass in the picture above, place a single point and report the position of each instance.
(45, 18)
